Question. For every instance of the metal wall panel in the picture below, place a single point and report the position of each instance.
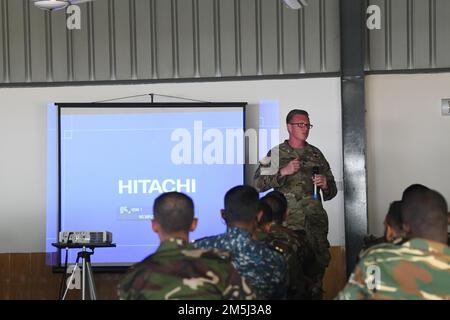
(102, 56)
(246, 27)
(291, 35)
(35, 50)
(61, 61)
(442, 32)
(80, 48)
(123, 39)
(164, 33)
(414, 35)
(143, 40)
(269, 19)
(206, 38)
(185, 59)
(3, 42)
(399, 34)
(167, 39)
(16, 40)
(312, 37)
(228, 43)
(332, 36)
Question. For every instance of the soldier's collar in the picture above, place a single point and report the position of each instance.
(427, 245)
(238, 230)
(172, 243)
(286, 142)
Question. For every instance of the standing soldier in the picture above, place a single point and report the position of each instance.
(177, 270)
(299, 170)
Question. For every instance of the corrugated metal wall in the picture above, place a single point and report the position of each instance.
(415, 34)
(167, 39)
(173, 39)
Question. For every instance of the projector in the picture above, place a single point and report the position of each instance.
(85, 237)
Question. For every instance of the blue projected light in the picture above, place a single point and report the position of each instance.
(52, 180)
(116, 161)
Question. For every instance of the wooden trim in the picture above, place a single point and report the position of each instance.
(26, 276)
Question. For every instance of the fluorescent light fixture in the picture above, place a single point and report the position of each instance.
(295, 4)
(51, 4)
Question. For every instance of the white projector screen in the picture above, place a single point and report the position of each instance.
(115, 159)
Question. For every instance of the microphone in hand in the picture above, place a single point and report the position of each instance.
(315, 171)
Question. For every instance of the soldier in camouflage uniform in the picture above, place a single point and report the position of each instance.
(263, 267)
(177, 270)
(393, 222)
(393, 231)
(292, 246)
(289, 169)
(418, 268)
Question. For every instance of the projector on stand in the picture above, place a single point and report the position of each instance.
(85, 237)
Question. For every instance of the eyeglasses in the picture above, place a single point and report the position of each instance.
(302, 125)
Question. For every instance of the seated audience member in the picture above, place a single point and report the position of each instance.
(285, 240)
(310, 266)
(263, 267)
(177, 270)
(392, 228)
(416, 269)
(393, 231)
(392, 223)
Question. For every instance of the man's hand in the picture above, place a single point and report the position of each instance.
(320, 181)
(291, 168)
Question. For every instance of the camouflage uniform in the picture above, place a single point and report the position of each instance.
(416, 269)
(178, 271)
(263, 267)
(305, 213)
(292, 246)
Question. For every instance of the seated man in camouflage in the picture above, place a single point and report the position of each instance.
(306, 259)
(285, 242)
(177, 270)
(263, 267)
(393, 231)
(416, 269)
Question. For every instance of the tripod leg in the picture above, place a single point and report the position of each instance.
(83, 283)
(91, 283)
(70, 280)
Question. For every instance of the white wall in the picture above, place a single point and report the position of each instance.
(408, 139)
(23, 140)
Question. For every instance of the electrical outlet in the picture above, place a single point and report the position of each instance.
(446, 107)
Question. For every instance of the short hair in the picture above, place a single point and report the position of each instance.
(278, 203)
(266, 213)
(425, 211)
(241, 204)
(295, 112)
(413, 188)
(394, 215)
(174, 211)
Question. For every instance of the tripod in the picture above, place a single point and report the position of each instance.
(86, 273)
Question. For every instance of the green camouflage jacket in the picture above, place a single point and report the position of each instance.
(297, 188)
(178, 271)
(288, 243)
(417, 269)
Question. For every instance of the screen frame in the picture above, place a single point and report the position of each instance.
(59, 267)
